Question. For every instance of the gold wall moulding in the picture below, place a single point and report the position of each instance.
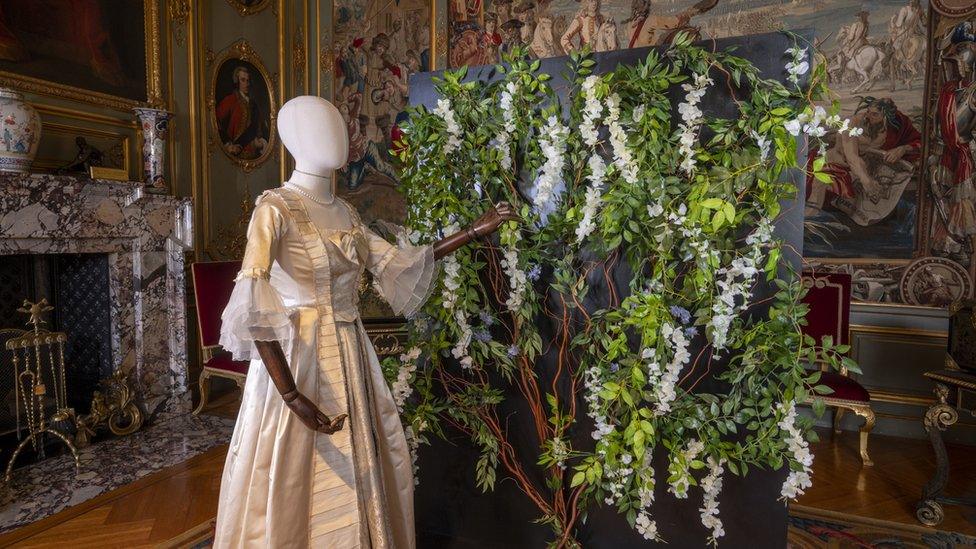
(179, 13)
(114, 408)
(249, 7)
(256, 135)
(299, 58)
(64, 91)
(232, 240)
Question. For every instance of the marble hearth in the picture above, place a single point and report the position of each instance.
(144, 236)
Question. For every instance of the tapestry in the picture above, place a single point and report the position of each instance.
(379, 44)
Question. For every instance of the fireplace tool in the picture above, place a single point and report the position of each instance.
(39, 386)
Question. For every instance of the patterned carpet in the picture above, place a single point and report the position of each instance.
(809, 529)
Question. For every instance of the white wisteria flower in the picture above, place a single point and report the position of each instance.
(401, 388)
(446, 112)
(691, 119)
(623, 158)
(799, 449)
(711, 485)
(798, 65)
(763, 143)
(665, 388)
(552, 142)
(517, 278)
(680, 468)
(735, 284)
(592, 109)
(594, 193)
(502, 142)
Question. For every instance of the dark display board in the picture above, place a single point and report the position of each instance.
(453, 513)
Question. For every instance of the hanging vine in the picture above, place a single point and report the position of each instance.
(607, 181)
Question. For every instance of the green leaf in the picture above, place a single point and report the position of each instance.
(578, 479)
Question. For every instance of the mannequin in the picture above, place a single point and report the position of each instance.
(294, 475)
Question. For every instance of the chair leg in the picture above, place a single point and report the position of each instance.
(204, 391)
(868, 414)
(838, 415)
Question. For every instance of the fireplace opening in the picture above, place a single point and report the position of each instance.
(77, 287)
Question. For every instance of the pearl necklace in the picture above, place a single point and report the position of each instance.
(308, 195)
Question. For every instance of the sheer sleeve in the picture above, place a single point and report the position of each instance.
(255, 311)
(404, 274)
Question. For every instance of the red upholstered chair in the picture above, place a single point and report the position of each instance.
(829, 299)
(213, 283)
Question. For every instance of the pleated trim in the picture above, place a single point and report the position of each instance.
(335, 513)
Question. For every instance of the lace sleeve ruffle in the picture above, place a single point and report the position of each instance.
(404, 274)
(253, 313)
(407, 278)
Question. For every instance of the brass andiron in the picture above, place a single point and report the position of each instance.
(115, 407)
(30, 389)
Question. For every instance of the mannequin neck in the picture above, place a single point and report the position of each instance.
(319, 187)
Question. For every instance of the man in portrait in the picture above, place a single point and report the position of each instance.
(869, 170)
(243, 127)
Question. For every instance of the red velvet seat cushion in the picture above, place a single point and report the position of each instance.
(224, 362)
(844, 387)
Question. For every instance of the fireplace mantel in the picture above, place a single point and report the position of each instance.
(145, 236)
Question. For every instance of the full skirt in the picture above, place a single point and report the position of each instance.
(285, 485)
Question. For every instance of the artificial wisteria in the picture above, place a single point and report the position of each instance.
(691, 119)
(453, 130)
(798, 479)
(503, 142)
(552, 144)
(686, 209)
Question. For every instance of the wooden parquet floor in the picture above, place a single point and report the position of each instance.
(145, 513)
(890, 489)
(163, 506)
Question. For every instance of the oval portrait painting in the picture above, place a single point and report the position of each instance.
(243, 108)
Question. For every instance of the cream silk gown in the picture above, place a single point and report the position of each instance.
(283, 484)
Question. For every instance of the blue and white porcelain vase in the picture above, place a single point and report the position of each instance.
(20, 132)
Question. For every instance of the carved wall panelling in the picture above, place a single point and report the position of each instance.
(179, 13)
(249, 7)
(219, 28)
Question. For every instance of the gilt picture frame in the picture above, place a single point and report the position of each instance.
(242, 106)
(118, 65)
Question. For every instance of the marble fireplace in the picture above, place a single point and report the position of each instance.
(144, 236)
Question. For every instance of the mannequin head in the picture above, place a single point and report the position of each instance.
(314, 133)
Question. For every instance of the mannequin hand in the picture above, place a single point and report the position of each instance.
(493, 218)
(314, 419)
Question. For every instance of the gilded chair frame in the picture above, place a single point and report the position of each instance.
(208, 352)
(840, 405)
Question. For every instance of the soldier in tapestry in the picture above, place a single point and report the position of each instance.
(381, 45)
(952, 159)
